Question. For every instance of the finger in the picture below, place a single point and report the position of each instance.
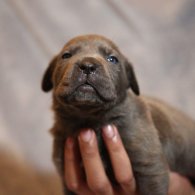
(119, 159)
(180, 185)
(95, 173)
(73, 172)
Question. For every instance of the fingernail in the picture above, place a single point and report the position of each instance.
(109, 132)
(86, 135)
(69, 142)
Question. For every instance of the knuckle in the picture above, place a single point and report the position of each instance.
(69, 157)
(116, 148)
(73, 186)
(89, 154)
(126, 180)
(99, 187)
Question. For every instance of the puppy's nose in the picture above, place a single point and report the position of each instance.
(88, 68)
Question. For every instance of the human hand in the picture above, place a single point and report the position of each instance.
(91, 178)
(96, 180)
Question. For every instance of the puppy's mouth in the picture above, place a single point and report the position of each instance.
(86, 88)
(84, 93)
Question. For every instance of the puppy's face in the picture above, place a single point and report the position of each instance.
(89, 71)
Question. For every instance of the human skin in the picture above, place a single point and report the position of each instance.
(91, 178)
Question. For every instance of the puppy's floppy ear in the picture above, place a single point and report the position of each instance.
(47, 84)
(133, 84)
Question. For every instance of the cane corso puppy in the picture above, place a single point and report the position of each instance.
(95, 85)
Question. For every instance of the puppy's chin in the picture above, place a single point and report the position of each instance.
(85, 95)
(82, 95)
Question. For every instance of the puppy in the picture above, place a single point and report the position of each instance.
(94, 85)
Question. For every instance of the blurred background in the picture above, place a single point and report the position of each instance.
(158, 37)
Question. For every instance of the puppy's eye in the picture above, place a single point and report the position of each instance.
(112, 59)
(66, 55)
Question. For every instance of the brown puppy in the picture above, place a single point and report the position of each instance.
(94, 85)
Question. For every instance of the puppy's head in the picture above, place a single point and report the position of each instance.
(89, 71)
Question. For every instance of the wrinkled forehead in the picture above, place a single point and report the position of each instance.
(91, 43)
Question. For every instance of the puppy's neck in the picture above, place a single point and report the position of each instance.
(90, 112)
(69, 120)
(94, 114)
